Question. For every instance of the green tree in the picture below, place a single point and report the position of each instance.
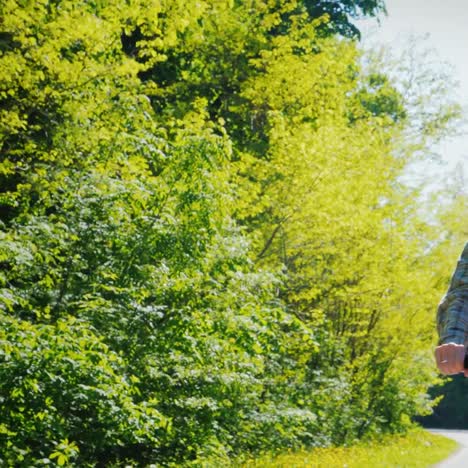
(133, 309)
(206, 246)
(341, 13)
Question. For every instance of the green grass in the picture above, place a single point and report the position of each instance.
(417, 449)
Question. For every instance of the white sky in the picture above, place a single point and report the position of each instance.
(446, 23)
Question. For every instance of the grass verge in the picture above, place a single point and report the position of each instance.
(417, 449)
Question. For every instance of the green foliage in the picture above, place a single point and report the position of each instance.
(450, 413)
(206, 248)
(341, 12)
(65, 395)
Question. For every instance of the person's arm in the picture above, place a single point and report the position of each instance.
(452, 321)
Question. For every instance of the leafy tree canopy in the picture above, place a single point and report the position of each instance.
(206, 247)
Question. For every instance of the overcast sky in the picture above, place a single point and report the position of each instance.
(446, 23)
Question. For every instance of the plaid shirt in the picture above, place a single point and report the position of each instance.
(452, 314)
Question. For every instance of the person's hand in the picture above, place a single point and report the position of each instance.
(450, 358)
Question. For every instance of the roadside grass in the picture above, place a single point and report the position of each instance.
(418, 449)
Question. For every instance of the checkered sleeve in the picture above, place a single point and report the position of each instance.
(452, 313)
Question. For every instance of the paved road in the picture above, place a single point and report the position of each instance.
(460, 458)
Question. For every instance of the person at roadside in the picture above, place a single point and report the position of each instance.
(452, 321)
